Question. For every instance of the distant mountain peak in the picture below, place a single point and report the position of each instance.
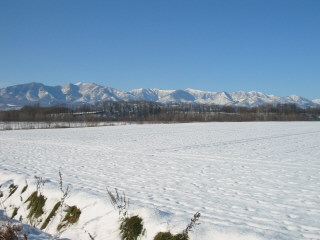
(90, 93)
(316, 101)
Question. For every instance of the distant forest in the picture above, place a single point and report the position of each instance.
(156, 112)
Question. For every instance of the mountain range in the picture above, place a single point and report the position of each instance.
(15, 97)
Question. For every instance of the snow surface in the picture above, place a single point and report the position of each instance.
(32, 233)
(317, 101)
(42, 125)
(257, 180)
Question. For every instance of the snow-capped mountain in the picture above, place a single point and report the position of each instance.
(316, 101)
(15, 97)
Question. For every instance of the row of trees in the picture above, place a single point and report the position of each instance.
(151, 111)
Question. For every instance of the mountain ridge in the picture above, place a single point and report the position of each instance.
(17, 96)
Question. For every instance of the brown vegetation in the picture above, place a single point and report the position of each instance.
(156, 112)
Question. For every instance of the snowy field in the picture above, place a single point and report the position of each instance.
(257, 180)
(46, 125)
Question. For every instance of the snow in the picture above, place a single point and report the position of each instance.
(257, 180)
(47, 125)
(316, 101)
(32, 233)
(91, 93)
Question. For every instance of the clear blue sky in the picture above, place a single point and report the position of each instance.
(269, 46)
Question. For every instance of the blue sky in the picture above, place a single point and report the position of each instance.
(269, 46)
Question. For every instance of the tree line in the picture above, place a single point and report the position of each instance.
(157, 112)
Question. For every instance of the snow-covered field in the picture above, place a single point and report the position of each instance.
(257, 180)
(46, 125)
